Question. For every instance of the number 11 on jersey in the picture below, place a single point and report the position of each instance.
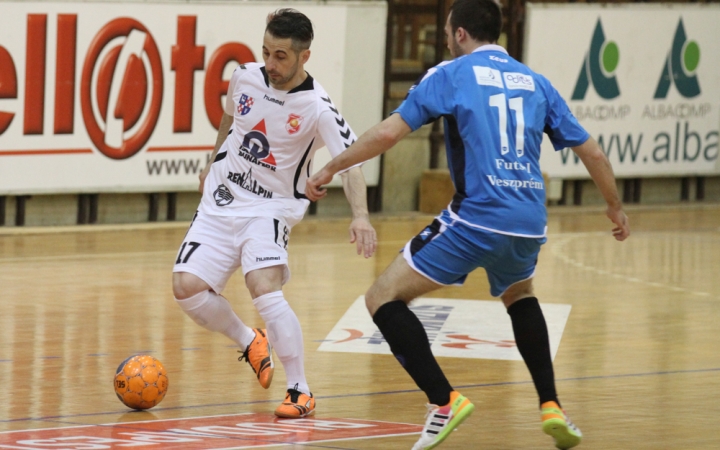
(516, 104)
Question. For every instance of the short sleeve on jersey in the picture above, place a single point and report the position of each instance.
(561, 126)
(335, 131)
(229, 102)
(431, 99)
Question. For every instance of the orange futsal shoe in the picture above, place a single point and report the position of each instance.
(259, 355)
(296, 405)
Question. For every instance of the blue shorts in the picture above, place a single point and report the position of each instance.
(447, 251)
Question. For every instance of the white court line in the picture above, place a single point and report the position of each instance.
(558, 251)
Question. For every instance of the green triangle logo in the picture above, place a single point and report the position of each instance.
(680, 66)
(598, 68)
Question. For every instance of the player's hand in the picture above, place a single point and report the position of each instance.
(618, 217)
(313, 186)
(364, 236)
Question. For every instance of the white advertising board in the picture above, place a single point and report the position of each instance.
(644, 80)
(126, 97)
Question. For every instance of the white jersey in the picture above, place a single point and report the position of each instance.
(261, 168)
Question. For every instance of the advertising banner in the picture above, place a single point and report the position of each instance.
(644, 80)
(127, 97)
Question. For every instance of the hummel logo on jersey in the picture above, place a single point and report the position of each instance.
(222, 196)
(246, 181)
(267, 258)
(274, 100)
(244, 104)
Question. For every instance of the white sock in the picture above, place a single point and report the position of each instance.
(214, 313)
(285, 335)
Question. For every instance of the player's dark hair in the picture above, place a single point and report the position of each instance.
(482, 19)
(290, 23)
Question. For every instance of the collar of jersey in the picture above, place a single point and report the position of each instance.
(490, 48)
(306, 85)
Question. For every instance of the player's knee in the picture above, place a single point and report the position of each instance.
(517, 291)
(185, 285)
(263, 285)
(262, 288)
(508, 298)
(264, 281)
(373, 300)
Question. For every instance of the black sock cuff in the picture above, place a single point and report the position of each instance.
(522, 305)
(384, 315)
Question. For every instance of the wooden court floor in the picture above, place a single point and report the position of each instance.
(638, 365)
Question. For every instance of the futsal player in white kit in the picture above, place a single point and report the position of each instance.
(276, 117)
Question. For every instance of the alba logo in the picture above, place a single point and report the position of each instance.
(598, 66)
(680, 66)
(121, 88)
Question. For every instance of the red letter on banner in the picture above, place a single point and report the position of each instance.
(8, 86)
(186, 59)
(65, 73)
(35, 73)
(215, 86)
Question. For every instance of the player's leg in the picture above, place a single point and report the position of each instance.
(532, 338)
(387, 301)
(202, 268)
(208, 309)
(285, 333)
(409, 276)
(264, 261)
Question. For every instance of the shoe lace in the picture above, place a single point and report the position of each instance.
(244, 355)
(294, 393)
(430, 409)
(569, 422)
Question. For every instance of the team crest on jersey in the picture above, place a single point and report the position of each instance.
(245, 104)
(293, 123)
(255, 148)
(222, 196)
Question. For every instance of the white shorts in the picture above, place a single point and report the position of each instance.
(216, 246)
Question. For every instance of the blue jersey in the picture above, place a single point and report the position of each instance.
(496, 111)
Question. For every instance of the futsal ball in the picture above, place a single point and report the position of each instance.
(141, 382)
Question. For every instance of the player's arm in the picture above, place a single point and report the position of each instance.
(361, 232)
(226, 121)
(426, 101)
(223, 131)
(338, 136)
(564, 131)
(375, 141)
(601, 172)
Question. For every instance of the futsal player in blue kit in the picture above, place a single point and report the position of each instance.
(496, 111)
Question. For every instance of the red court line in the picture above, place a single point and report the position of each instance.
(205, 433)
(45, 152)
(181, 149)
